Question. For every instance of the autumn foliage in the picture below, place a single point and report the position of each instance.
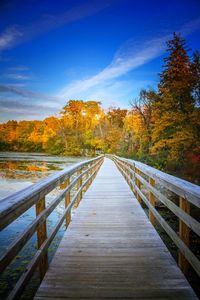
(161, 128)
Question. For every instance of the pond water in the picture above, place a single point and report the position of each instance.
(17, 171)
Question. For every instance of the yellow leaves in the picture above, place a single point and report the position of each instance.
(97, 143)
(82, 115)
(174, 132)
(133, 122)
(112, 140)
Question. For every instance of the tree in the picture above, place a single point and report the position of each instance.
(79, 121)
(142, 109)
(113, 130)
(174, 133)
(176, 77)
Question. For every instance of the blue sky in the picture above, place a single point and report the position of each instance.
(105, 50)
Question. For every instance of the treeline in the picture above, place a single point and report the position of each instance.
(161, 128)
(83, 128)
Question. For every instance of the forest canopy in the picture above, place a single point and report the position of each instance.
(162, 127)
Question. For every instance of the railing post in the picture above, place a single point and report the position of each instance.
(90, 173)
(128, 174)
(138, 184)
(131, 178)
(41, 237)
(184, 233)
(67, 202)
(79, 184)
(152, 201)
(84, 178)
(87, 176)
(124, 169)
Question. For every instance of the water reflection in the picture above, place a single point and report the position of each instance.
(19, 170)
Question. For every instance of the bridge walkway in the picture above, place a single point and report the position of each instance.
(111, 250)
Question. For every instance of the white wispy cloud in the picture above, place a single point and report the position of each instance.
(19, 68)
(129, 57)
(9, 36)
(16, 90)
(17, 76)
(18, 73)
(17, 34)
(17, 110)
(18, 103)
(117, 92)
(15, 105)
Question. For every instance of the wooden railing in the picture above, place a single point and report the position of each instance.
(14, 206)
(147, 183)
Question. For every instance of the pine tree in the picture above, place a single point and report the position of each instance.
(176, 77)
(174, 132)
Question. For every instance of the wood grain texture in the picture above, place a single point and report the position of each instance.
(111, 250)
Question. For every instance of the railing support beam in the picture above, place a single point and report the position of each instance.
(184, 233)
(67, 202)
(152, 201)
(41, 237)
(138, 183)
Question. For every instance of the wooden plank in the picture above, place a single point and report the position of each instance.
(111, 250)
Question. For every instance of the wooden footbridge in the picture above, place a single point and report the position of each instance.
(110, 249)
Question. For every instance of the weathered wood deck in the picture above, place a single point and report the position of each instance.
(111, 250)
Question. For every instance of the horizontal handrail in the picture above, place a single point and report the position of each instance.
(16, 204)
(36, 197)
(181, 187)
(191, 222)
(136, 173)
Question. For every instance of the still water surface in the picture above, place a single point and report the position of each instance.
(17, 171)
